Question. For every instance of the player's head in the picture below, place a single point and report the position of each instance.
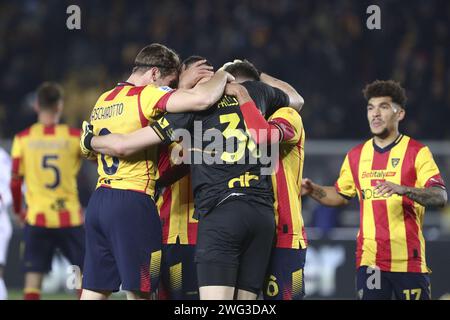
(189, 61)
(243, 71)
(386, 102)
(49, 98)
(157, 64)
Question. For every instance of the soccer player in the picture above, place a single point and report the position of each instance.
(47, 158)
(234, 201)
(176, 208)
(123, 230)
(395, 178)
(5, 223)
(285, 275)
(179, 229)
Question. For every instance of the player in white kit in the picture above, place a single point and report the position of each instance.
(5, 222)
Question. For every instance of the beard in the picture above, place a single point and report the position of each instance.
(382, 134)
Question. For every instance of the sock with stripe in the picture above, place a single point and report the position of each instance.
(32, 294)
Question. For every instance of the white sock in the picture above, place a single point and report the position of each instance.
(3, 292)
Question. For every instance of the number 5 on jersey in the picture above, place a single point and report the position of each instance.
(48, 163)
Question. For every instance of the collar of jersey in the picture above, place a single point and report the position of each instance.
(125, 83)
(389, 147)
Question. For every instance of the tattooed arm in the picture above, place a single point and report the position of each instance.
(327, 196)
(427, 197)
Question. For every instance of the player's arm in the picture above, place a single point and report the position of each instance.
(124, 145)
(325, 195)
(172, 175)
(339, 195)
(427, 197)
(430, 190)
(296, 101)
(201, 97)
(17, 174)
(189, 77)
(115, 144)
(260, 130)
(16, 192)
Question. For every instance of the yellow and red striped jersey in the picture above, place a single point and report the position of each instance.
(176, 204)
(125, 109)
(390, 234)
(48, 158)
(288, 179)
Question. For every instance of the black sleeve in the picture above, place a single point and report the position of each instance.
(165, 126)
(172, 175)
(266, 97)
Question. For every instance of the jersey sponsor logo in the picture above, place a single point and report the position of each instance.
(369, 194)
(165, 89)
(378, 174)
(395, 162)
(243, 180)
(59, 204)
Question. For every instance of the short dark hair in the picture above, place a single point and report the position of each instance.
(386, 88)
(193, 59)
(157, 55)
(49, 94)
(244, 69)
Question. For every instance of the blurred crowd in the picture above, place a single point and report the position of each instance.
(323, 48)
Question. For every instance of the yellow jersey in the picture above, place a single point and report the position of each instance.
(287, 180)
(48, 158)
(125, 109)
(176, 204)
(390, 234)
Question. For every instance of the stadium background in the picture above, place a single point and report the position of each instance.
(323, 48)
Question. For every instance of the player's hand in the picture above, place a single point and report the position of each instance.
(86, 137)
(191, 76)
(239, 91)
(234, 89)
(307, 187)
(387, 189)
(20, 218)
(225, 65)
(230, 78)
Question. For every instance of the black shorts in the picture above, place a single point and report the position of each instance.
(234, 244)
(41, 243)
